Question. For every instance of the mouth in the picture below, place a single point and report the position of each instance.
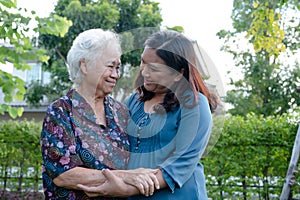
(112, 83)
(146, 82)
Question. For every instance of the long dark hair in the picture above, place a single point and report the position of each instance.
(177, 52)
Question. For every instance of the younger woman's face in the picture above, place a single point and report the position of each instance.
(158, 77)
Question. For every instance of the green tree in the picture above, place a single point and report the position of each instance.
(18, 47)
(270, 70)
(122, 16)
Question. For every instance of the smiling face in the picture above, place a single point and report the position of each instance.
(101, 77)
(158, 77)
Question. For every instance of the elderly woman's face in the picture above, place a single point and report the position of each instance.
(104, 75)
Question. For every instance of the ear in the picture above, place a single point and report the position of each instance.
(83, 67)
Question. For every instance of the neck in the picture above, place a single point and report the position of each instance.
(91, 97)
(156, 99)
(96, 102)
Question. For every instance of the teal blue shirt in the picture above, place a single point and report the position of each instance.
(173, 142)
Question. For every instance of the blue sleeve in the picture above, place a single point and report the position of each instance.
(190, 142)
(131, 99)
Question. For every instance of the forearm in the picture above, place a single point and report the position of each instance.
(79, 175)
(161, 180)
(129, 191)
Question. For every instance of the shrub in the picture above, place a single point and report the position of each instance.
(251, 157)
(20, 156)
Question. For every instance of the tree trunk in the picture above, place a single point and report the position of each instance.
(293, 163)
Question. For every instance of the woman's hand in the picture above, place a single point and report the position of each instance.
(143, 179)
(112, 187)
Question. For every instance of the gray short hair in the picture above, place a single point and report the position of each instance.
(87, 46)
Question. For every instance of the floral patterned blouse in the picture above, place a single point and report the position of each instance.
(72, 137)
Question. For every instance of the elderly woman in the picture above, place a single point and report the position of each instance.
(84, 132)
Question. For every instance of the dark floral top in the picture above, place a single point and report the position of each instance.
(72, 137)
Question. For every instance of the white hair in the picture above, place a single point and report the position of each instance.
(87, 47)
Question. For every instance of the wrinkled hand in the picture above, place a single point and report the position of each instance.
(112, 187)
(143, 179)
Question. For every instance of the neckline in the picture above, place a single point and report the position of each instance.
(145, 112)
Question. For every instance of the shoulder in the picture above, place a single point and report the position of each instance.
(189, 99)
(115, 103)
(200, 107)
(61, 105)
(203, 108)
(203, 103)
(117, 108)
(132, 100)
(202, 98)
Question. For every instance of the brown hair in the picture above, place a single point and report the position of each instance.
(177, 52)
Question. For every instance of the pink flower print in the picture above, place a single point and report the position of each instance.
(72, 149)
(60, 145)
(50, 194)
(78, 131)
(116, 119)
(64, 160)
(101, 158)
(102, 147)
(114, 135)
(72, 195)
(85, 145)
(43, 168)
(115, 144)
(67, 153)
(75, 103)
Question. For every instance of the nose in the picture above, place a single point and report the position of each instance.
(145, 71)
(115, 73)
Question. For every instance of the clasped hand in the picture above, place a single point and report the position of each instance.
(120, 183)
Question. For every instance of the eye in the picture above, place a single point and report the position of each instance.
(153, 67)
(118, 68)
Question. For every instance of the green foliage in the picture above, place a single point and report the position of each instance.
(20, 155)
(251, 157)
(265, 31)
(176, 28)
(120, 16)
(34, 93)
(269, 82)
(55, 25)
(18, 48)
(9, 84)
